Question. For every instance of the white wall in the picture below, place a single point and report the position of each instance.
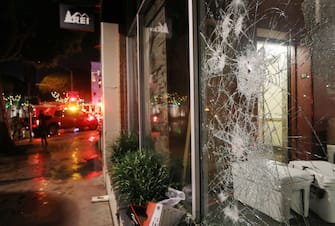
(110, 58)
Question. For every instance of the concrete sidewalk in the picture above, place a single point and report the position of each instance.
(54, 186)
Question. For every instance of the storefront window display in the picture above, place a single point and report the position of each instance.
(165, 85)
(267, 90)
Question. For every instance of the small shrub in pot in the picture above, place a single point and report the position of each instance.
(126, 142)
(140, 177)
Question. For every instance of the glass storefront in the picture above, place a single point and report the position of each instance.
(267, 94)
(164, 83)
(266, 91)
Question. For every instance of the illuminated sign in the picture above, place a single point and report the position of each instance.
(76, 18)
(164, 27)
(160, 28)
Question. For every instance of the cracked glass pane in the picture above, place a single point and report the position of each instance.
(268, 126)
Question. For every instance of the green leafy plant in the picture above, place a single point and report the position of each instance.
(126, 142)
(140, 177)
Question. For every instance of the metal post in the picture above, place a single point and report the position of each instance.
(30, 109)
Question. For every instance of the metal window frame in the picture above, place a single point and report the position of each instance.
(197, 204)
(197, 207)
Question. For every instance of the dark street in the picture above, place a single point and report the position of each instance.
(54, 185)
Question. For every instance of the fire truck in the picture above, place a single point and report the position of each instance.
(63, 116)
(49, 109)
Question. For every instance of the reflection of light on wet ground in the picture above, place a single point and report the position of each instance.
(75, 161)
(38, 179)
(76, 176)
(92, 174)
(46, 186)
(40, 194)
(92, 156)
(34, 159)
(91, 138)
(38, 168)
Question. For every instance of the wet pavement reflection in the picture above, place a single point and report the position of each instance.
(53, 185)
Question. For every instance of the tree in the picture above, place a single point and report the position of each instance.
(58, 82)
(5, 140)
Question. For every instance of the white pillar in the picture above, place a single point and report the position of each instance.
(110, 68)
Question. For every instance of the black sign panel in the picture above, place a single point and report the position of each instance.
(76, 18)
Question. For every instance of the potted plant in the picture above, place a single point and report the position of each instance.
(126, 142)
(139, 177)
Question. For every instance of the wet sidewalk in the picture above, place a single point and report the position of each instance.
(54, 185)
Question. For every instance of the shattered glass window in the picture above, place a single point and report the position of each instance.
(267, 114)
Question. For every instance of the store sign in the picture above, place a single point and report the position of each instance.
(76, 18)
(160, 28)
(163, 28)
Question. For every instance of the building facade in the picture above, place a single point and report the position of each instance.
(219, 83)
(96, 83)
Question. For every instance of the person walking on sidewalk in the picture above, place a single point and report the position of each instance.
(16, 125)
(43, 128)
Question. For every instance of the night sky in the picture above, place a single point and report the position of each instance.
(31, 35)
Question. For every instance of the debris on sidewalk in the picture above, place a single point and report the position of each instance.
(101, 198)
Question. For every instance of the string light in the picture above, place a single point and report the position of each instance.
(12, 100)
(58, 98)
(170, 98)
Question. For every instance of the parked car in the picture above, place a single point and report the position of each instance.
(66, 119)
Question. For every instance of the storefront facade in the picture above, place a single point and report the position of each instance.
(211, 84)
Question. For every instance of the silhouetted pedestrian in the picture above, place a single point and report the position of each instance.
(43, 128)
(16, 125)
